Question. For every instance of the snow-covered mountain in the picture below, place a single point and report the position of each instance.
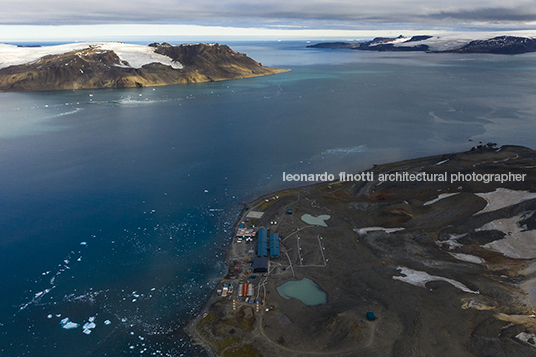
(115, 64)
(454, 43)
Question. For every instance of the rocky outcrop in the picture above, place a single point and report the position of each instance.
(509, 45)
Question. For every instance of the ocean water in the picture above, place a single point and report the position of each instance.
(116, 205)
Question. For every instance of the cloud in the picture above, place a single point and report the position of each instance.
(307, 13)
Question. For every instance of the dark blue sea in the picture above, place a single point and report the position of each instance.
(116, 205)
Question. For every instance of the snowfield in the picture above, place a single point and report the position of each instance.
(420, 278)
(452, 41)
(503, 197)
(136, 55)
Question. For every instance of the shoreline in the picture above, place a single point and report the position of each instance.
(255, 336)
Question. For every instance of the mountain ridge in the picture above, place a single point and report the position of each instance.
(436, 44)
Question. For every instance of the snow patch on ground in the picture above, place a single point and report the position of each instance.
(88, 326)
(468, 258)
(529, 338)
(138, 55)
(440, 197)
(452, 40)
(420, 278)
(518, 242)
(503, 197)
(452, 242)
(363, 231)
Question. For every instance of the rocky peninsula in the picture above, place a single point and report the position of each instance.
(510, 45)
(120, 65)
(399, 267)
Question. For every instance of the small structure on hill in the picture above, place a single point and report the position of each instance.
(371, 316)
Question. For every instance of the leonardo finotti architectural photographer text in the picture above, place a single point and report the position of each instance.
(406, 177)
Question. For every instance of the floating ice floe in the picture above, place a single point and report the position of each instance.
(344, 151)
(107, 322)
(440, 197)
(37, 297)
(83, 243)
(420, 278)
(88, 326)
(68, 324)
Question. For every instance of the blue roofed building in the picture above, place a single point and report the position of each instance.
(274, 245)
(262, 247)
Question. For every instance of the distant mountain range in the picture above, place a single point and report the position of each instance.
(117, 65)
(499, 45)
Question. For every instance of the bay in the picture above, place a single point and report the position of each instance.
(118, 204)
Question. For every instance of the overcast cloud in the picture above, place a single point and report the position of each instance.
(307, 13)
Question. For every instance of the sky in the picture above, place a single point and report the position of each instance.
(241, 19)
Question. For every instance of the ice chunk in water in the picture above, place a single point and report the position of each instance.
(70, 325)
(67, 324)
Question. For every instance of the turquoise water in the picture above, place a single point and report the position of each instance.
(317, 221)
(152, 180)
(304, 290)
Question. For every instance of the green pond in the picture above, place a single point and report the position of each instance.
(304, 290)
(316, 221)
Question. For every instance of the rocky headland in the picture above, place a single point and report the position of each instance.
(119, 65)
(437, 44)
(427, 267)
